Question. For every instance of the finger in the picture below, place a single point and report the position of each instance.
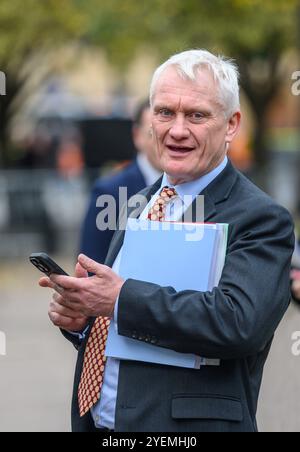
(60, 300)
(58, 289)
(46, 282)
(80, 272)
(71, 296)
(67, 294)
(64, 311)
(66, 282)
(64, 322)
(90, 265)
(57, 298)
(68, 303)
(71, 304)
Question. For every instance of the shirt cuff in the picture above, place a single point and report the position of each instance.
(115, 317)
(79, 335)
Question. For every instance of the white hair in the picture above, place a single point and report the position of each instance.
(224, 70)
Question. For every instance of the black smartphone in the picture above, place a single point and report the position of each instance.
(46, 265)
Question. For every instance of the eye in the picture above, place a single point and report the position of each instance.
(197, 116)
(165, 113)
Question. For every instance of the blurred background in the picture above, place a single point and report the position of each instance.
(75, 71)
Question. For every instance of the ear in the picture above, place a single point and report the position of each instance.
(233, 126)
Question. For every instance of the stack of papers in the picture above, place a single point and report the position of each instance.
(185, 256)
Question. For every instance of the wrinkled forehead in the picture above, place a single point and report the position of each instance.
(202, 86)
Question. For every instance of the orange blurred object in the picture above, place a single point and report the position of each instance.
(240, 152)
(70, 160)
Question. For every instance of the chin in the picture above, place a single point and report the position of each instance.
(178, 169)
(179, 177)
(174, 172)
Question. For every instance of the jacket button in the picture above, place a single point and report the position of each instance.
(141, 337)
(153, 340)
(134, 335)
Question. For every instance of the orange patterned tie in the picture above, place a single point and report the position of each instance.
(93, 366)
(94, 360)
(158, 210)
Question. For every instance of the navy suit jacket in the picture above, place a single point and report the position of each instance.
(95, 243)
(235, 322)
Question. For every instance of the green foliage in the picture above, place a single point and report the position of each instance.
(33, 25)
(230, 26)
(234, 27)
(254, 32)
(249, 30)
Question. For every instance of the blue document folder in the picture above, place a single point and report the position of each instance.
(184, 256)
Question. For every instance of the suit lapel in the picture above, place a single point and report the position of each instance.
(192, 213)
(215, 193)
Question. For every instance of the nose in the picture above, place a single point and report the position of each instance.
(179, 130)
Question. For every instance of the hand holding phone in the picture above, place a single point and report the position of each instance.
(90, 297)
(60, 316)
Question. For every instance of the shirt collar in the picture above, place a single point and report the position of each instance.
(192, 189)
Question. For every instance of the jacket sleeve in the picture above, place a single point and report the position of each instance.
(239, 317)
(75, 339)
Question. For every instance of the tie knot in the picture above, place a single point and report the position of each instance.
(158, 210)
(168, 193)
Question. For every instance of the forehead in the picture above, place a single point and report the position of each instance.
(172, 87)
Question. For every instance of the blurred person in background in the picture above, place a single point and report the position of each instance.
(38, 149)
(142, 172)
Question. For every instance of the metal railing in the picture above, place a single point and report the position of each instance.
(40, 210)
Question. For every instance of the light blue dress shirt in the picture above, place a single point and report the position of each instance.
(103, 412)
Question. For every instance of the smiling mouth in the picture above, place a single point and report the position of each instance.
(180, 149)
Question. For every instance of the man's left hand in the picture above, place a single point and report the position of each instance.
(92, 296)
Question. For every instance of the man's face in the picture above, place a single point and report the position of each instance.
(189, 125)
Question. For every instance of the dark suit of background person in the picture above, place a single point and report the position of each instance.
(235, 322)
(141, 173)
(95, 243)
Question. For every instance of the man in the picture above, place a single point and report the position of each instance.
(195, 115)
(142, 172)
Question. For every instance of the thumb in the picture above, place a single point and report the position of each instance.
(89, 265)
(80, 272)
